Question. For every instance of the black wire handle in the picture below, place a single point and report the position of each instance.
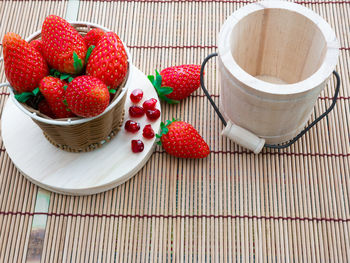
(273, 146)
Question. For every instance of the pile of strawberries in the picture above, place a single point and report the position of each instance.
(64, 74)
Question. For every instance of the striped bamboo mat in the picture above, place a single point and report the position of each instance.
(278, 206)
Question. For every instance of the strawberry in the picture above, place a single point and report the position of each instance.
(44, 108)
(87, 96)
(108, 61)
(63, 47)
(24, 65)
(180, 139)
(93, 36)
(37, 44)
(176, 83)
(53, 91)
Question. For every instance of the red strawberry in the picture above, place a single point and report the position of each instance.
(53, 90)
(63, 47)
(93, 36)
(176, 83)
(44, 108)
(87, 96)
(180, 139)
(24, 65)
(37, 44)
(108, 61)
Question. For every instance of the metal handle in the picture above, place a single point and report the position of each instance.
(272, 146)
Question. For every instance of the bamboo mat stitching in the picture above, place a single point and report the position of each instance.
(180, 216)
(214, 1)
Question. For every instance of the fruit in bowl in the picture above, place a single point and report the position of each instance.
(63, 47)
(24, 65)
(76, 108)
(77, 75)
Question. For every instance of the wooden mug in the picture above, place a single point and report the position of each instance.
(275, 58)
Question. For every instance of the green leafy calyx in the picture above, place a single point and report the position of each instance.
(77, 63)
(36, 91)
(164, 129)
(55, 73)
(112, 91)
(88, 53)
(63, 76)
(66, 104)
(24, 96)
(162, 91)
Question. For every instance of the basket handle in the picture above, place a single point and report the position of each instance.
(246, 138)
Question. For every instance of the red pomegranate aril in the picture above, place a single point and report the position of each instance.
(149, 104)
(137, 146)
(132, 126)
(148, 132)
(136, 111)
(153, 114)
(136, 95)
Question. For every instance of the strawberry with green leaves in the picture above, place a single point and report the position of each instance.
(63, 47)
(93, 37)
(53, 90)
(24, 65)
(108, 60)
(176, 83)
(180, 139)
(87, 96)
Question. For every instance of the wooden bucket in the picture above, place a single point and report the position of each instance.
(274, 60)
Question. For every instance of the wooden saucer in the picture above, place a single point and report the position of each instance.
(77, 173)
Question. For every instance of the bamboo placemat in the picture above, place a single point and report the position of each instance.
(278, 206)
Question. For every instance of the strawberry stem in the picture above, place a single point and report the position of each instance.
(162, 91)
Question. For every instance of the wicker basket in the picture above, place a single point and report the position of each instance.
(82, 134)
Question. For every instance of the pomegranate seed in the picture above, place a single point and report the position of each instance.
(136, 95)
(153, 114)
(136, 111)
(132, 126)
(148, 132)
(137, 146)
(150, 104)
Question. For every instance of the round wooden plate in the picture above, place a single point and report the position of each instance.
(77, 173)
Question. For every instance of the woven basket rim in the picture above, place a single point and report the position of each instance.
(83, 120)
